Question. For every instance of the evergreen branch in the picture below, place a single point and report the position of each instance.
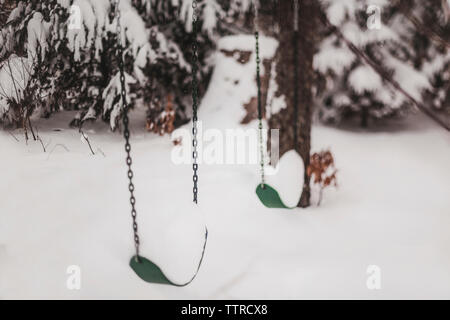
(27, 17)
(430, 33)
(381, 72)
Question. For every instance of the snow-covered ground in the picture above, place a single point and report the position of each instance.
(67, 207)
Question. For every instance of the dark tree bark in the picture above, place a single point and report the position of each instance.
(284, 120)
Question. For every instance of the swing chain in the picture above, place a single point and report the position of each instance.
(296, 69)
(126, 130)
(195, 101)
(260, 113)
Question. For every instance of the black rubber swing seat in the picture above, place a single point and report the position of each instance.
(150, 272)
(270, 197)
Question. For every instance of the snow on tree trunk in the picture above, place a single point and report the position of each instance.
(284, 118)
(241, 48)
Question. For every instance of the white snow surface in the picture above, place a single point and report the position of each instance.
(364, 78)
(68, 207)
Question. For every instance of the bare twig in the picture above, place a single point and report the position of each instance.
(39, 138)
(101, 151)
(12, 135)
(48, 143)
(58, 145)
(31, 126)
(430, 33)
(42, 144)
(86, 138)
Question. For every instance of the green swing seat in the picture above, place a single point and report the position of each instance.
(270, 197)
(150, 272)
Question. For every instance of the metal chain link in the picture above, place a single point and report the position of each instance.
(126, 130)
(296, 68)
(195, 101)
(260, 111)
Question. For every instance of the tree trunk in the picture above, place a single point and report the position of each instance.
(285, 59)
(364, 117)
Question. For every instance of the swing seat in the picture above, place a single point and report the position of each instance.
(150, 272)
(270, 197)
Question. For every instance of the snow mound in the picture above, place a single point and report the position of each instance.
(287, 177)
(173, 236)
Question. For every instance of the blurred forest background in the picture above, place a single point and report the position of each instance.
(360, 62)
(48, 66)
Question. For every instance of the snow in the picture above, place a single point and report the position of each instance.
(68, 207)
(38, 31)
(16, 12)
(280, 177)
(446, 9)
(338, 10)
(354, 33)
(113, 90)
(434, 66)
(387, 44)
(244, 42)
(331, 57)
(16, 68)
(186, 11)
(244, 74)
(209, 17)
(94, 24)
(364, 78)
(410, 79)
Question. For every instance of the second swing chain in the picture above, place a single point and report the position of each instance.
(260, 111)
(194, 101)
